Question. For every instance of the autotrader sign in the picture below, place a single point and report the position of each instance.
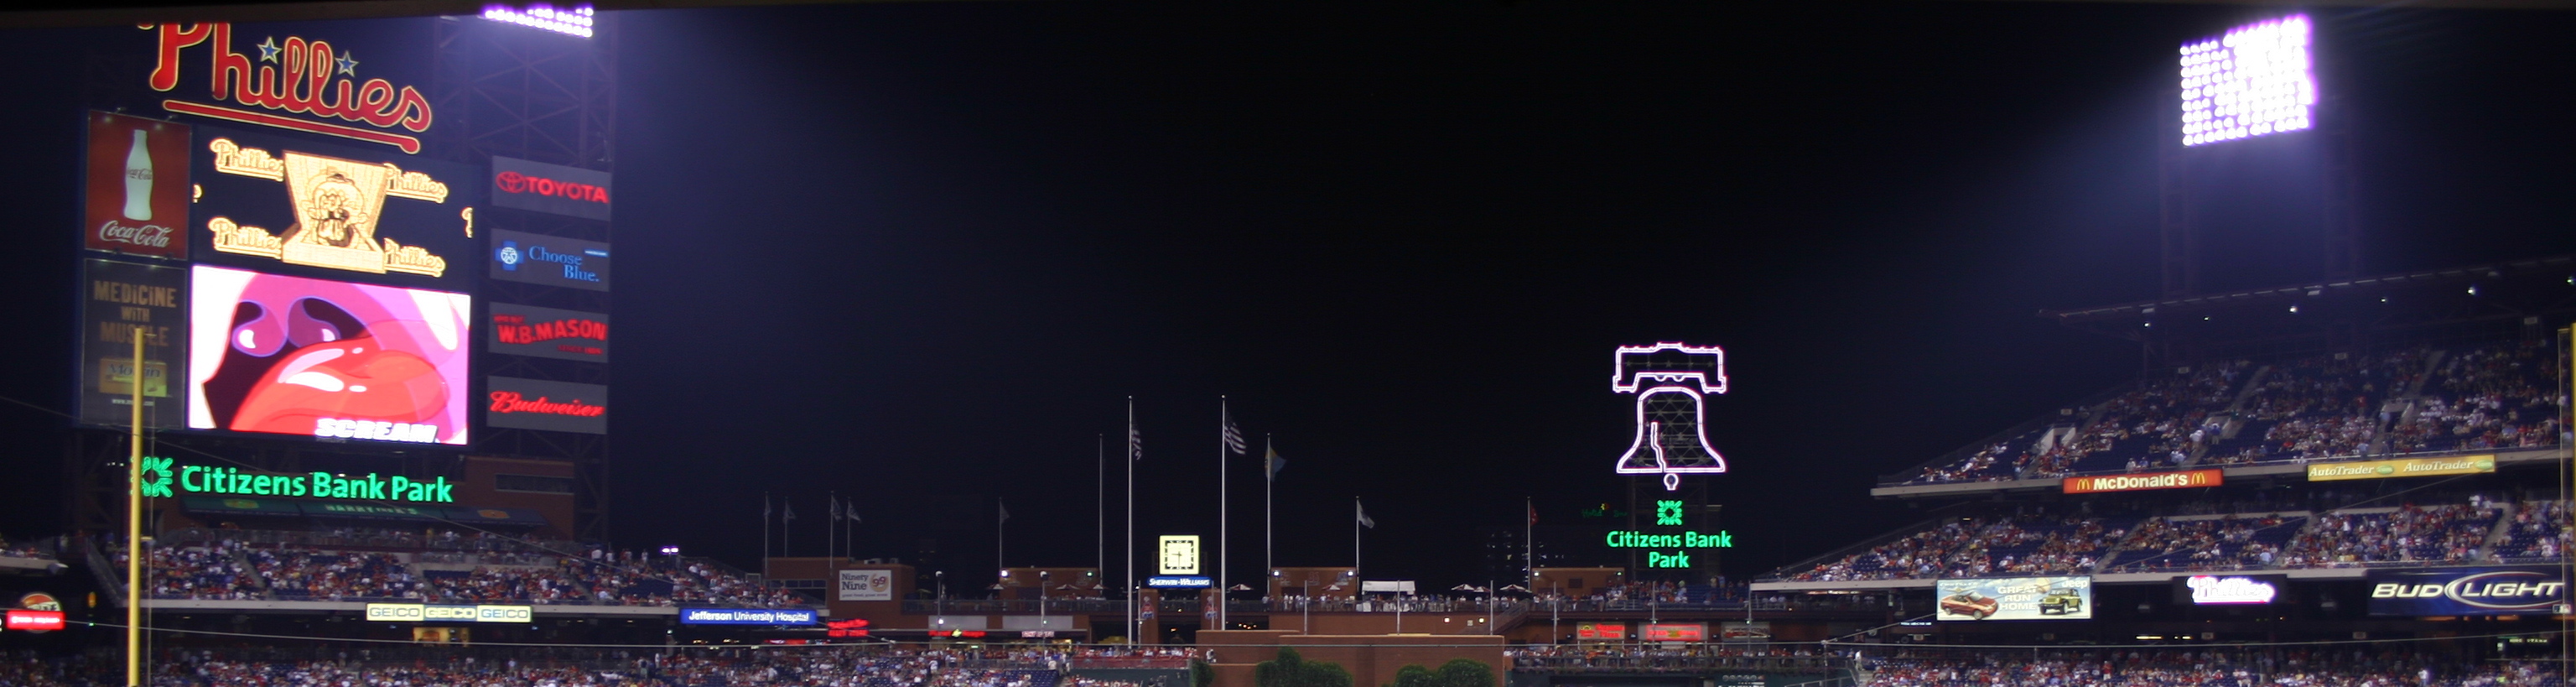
(524, 185)
(2153, 480)
(745, 616)
(2468, 591)
(2410, 467)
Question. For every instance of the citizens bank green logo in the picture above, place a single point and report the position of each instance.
(1668, 513)
(156, 477)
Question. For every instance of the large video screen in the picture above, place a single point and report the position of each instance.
(290, 355)
(2015, 598)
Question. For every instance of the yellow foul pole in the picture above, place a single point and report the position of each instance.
(134, 522)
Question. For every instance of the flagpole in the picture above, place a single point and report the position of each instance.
(786, 531)
(1100, 511)
(764, 536)
(1269, 476)
(1133, 625)
(831, 519)
(1355, 538)
(1225, 422)
(1529, 546)
(1001, 514)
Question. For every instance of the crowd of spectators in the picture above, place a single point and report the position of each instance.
(2539, 532)
(201, 572)
(2288, 668)
(810, 667)
(223, 568)
(2498, 396)
(2222, 543)
(2016, 544)
(2410, 533)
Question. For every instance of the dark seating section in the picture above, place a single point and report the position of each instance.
(233, 564)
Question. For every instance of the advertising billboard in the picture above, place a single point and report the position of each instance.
(867, 585)
(2406, 467)
(2468, 591)
(452, 613)
(2229, 590)
(1672, 632)
(289, 355)
(548, 333)
(135, 195)
(746, 616)
(549, 260)
(2015, 598)
(2152, 480)
(539, 404)
(118, 299)
(1601, 632)
(288, 206)
(539, 187)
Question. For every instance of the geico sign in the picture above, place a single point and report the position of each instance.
(2503, 590)
(395, 612)
(514, 182)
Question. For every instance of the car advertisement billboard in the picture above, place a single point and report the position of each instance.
(539, 404)
(119, 299)
(548, 333)
(279, 354)
(287, 206)
(135, 198)
(2014, 598)
(549, 260)
(2514, 590)
(536, 186)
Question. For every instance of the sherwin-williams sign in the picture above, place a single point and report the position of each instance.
(2410, 467)
(549, 333)
(525, 185)
(2153, 480)
(2468, 591)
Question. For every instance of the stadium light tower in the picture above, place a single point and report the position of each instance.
(2251, 81)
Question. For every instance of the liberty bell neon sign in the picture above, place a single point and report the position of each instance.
(1669, 379)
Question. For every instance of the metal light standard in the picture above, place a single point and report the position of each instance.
(1043, 576)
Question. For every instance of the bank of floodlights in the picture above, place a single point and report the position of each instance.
(2254, 80)
(574, 20)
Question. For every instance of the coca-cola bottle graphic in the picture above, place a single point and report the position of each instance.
(138, 179)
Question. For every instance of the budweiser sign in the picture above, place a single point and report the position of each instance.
(2153, 480)
(540, 404)
(514, 402)
(294, 75)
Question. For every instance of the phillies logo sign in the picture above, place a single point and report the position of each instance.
(514, 182)
(295, 75)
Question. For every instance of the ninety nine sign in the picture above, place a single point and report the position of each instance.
(304, 77)
(537, 404)
(2152, 480)
(523, 185)
(2410, 467)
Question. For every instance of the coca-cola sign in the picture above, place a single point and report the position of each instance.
(540, 187)
(539, 404)
(137, 195)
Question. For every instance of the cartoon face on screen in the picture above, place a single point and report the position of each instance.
(289, 355)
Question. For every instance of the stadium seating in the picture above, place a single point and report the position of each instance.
(217, 565)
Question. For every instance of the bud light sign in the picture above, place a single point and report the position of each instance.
(549, 260)
(2468, 591)
(540, 187)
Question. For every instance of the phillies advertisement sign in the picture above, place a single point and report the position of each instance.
(136, 200)
(549, 333)
(2468, 591)
(287, 81)
(549, 260)
(538, 404)
(539, 187)
(282, 204)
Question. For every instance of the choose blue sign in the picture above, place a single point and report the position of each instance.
(549, 260)
(1179, 582)
(746, 616)
(2468, 591)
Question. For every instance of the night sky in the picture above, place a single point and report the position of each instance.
(922, 254)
